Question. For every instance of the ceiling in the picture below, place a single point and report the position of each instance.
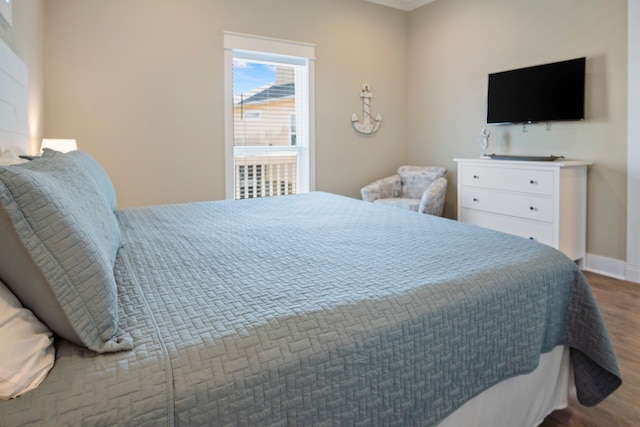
(402, 4)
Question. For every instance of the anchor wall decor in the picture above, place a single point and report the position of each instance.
(367, 125)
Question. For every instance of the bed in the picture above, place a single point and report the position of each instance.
(312, 309)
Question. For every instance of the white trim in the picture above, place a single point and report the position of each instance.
(302, 129)
(632, 273)
(253, 43)
(605, 266)
(406, 5)
(311, 67)
(633, 142)
(259, 56)
(228, 123)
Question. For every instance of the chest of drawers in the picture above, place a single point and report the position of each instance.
(543, 201)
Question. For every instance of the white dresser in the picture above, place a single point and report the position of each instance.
(543, 201)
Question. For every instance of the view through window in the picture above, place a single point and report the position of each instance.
(269, 117)
(267, 157)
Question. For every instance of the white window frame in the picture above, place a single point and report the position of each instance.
(265, 45)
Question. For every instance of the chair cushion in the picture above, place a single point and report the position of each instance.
(400, 202)
(416, 179)
(432, 202)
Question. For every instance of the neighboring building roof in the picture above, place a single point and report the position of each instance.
(271, 93)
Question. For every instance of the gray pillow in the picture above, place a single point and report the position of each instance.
(98, 174)
(59, 243)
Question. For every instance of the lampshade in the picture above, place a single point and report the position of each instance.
(63, 145)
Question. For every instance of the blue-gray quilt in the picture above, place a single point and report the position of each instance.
(319, 309)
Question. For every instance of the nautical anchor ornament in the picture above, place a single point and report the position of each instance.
(367, 125)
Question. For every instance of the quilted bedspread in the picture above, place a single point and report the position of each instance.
(319, 309)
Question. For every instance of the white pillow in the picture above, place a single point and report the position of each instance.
(27, 353)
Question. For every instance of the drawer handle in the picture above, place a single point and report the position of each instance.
(475, 199)
(533, 182)
(532, 238)
(476, 176)
(533, 208)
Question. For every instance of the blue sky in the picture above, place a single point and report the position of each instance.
(250, 75)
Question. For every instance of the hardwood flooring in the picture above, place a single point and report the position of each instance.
(619, 302)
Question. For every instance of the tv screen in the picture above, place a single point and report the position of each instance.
(537, 94)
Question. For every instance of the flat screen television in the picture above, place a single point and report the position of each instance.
(541, 93)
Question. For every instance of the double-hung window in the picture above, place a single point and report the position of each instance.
(269, 124)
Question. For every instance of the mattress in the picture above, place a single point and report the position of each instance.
(524, 400)
(319, 309)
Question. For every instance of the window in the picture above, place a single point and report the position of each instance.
(268, 117)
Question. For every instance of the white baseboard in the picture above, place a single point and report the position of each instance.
(633, 273)
(611, 267)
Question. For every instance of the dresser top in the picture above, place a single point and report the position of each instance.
(560, 163)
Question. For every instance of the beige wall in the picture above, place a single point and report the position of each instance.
(454, 44)
(26, 38)
(139, 84)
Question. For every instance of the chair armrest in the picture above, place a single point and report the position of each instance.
(384, 188)
(432, 201)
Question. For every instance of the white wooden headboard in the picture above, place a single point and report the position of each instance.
(14, 100)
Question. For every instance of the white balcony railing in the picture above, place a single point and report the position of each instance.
(265, 171)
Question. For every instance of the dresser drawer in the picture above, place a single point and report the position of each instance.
(543, 201)
(541, 232)
(515, 204)
(499, 178)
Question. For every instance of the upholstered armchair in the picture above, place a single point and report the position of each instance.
(417, 188)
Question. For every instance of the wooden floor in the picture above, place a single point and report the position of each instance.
(619, 302)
